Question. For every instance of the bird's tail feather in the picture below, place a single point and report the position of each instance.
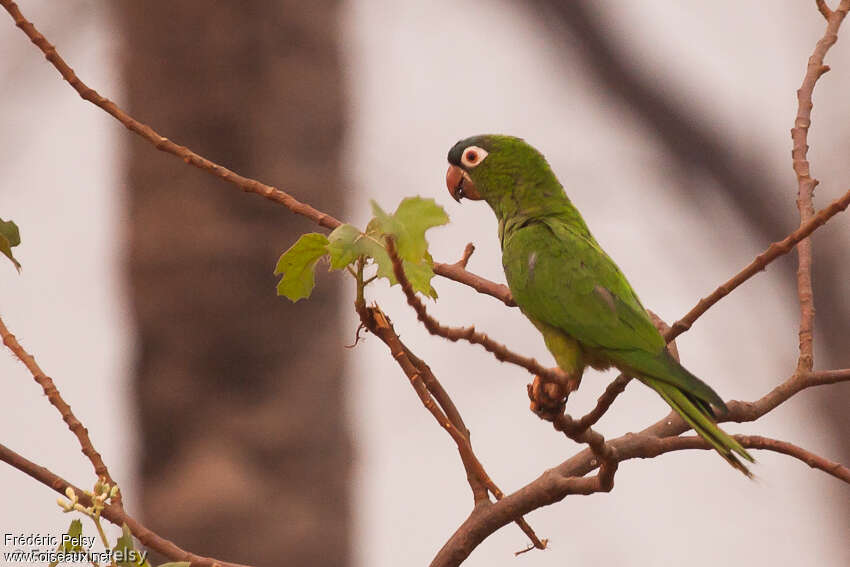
(692, 411)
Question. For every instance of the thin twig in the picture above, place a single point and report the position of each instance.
(833, 468)
(603, 403)
(435, 388)
(160, 142)
(823, 9)
(805, 182)
(839, 471)
(467, 253)
(114, 513)
(771, 253)
(56, 400)
(500, 351)
(824, 376)
(481, 285)
(480, 482)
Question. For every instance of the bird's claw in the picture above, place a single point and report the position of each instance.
(548, 399)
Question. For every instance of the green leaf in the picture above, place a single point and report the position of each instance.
(125, 553)
(419, 275)
(298, 266)
(10, 237)
(408, 224)
(346, 243)
(75, 530)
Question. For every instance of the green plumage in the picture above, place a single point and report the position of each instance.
(572, 291)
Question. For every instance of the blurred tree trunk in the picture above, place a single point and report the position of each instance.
(244, 451)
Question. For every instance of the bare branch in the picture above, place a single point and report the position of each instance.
(603, 403)
(805, 182)
(823, 9)
(160, 142)
(830, 376)
(436, 389)
(568, 478)
(59, 403)
(500, 351)
(481, 285)
(114, 512)
(467, 253)
(837, 470)
(774, 251)
(480, 482)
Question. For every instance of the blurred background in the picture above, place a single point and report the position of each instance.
(238, 425)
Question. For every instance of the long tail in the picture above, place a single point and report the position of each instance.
(698, 415)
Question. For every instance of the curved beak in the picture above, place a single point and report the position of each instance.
(460, 185)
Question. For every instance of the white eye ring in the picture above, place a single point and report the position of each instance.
(472, 156)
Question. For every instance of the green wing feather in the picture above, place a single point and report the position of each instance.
(561, 277)
(565, 280)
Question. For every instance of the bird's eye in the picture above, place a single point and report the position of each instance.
(472, 156)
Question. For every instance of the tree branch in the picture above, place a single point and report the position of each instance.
(839, 471)
(774, 251)
(603, 403)
(500, 351)
(467, 254)
(805, 182)
(56, 400)
(459, 274)
(661, 437)
(160, 142)
(823, 9)
(114, 512)
(479, 481)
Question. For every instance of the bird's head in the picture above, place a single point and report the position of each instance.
(505, 171)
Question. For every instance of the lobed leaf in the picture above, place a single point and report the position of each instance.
(298, 266)
(408, 224)
(125, 553)
(419, 275)
(75, 530)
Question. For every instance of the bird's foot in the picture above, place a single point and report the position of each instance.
(548, 399)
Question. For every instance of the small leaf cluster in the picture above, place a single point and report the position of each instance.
(347, 246)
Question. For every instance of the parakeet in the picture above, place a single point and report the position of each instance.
(569, 287)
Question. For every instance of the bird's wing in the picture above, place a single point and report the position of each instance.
(563, 278)
(566, 280)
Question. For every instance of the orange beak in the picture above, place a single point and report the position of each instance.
(460, 185)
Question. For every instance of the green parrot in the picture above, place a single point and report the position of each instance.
(569, 288)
